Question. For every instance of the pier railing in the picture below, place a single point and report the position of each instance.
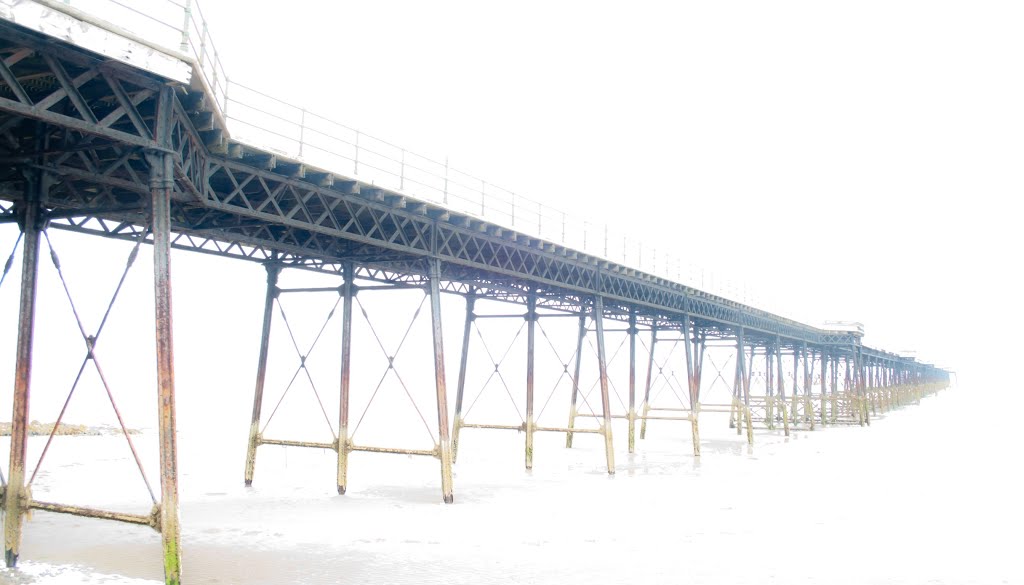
(256, 118)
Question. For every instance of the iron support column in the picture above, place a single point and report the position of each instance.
(690, 375)
(741, 366)
(647, 385)
(162, 187)
(16, 498)
(463, 361)
(273, 270)
(348, 298)
(602, 366)
(781, 385)
(531, 337)
(576, 375)
(445, 449)
(632, 379)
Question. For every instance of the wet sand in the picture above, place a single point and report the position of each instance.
(908, 500)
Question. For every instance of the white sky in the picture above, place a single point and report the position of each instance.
(852, 160)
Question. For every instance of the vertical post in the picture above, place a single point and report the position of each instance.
(302, 131)
(741, 366)
(445, 449)
(273, 270)
(187, 17)
(823, 359)
(16, 500)
(808, 385)
(161, 180)
(690, 375)
(445, 180)
(531, 338)
(348, 298)
(602, 366)
(576, 374)
(736, 410)
(632, 379)
(647, 385)
(769, 389)
(782, 385)
(463, 361)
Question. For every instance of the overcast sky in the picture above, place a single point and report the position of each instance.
(852, 160)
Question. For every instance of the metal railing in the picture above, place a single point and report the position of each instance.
(265, 122)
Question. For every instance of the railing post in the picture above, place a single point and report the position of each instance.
(202, 45)
(483, 198)
(401, 175)
(513, 210)
(445, 200)
(355, 168)
(302, 131)
(187, 10)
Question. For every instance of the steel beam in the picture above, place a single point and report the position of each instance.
(463, 362)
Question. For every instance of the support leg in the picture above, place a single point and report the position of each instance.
(445, 447)
(647, 385)
(691, 386)
(531, 337)
(632, 380)
(347, 292)
(162, 184)
(745, 379)
(602, 365)
(782, 386)
(463, 360)
(261, 372)
(16, 498)
(576, 375)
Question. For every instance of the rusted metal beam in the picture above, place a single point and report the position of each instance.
(152, 520)
(290, 443)
(348, 294)
(273, 270)
(439, 382)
